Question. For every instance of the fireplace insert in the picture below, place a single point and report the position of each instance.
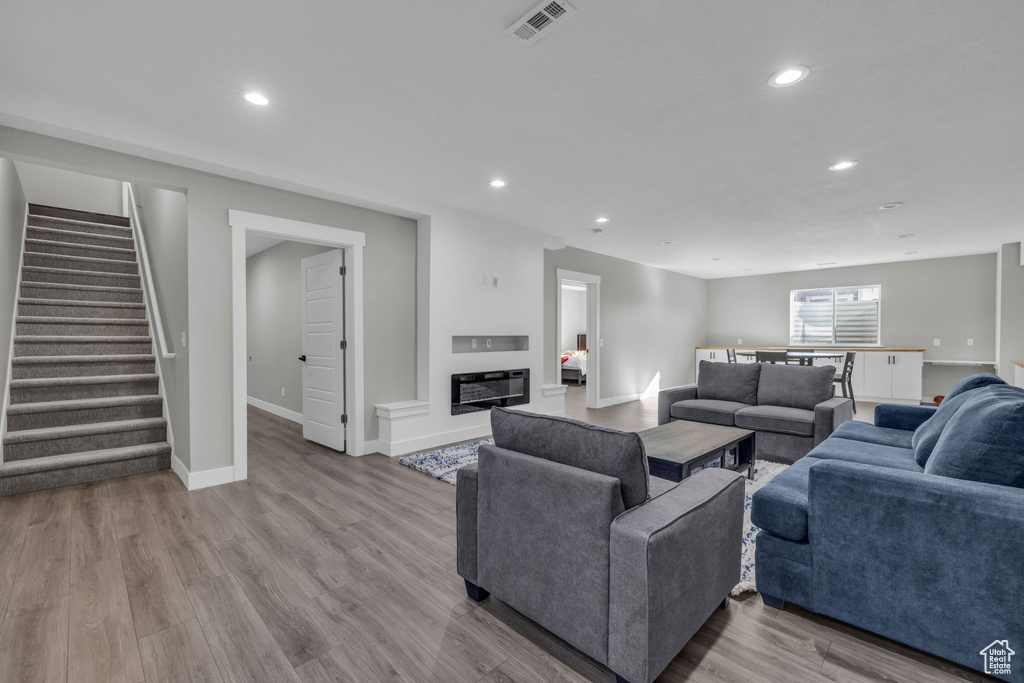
(473, 392)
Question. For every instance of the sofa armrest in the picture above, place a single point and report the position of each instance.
(666, 397)
(897, 416)
(673, 560)
(930, 561)
(830, 414)
(466, 486)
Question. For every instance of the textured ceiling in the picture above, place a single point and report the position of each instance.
(653, 112)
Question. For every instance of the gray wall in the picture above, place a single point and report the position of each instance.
(274, 322)
(1011, 309)
(164, 217)
(951, 299)
(12, 225)
(574, 317)
(389, 276)
(651, 321)
(70, 190)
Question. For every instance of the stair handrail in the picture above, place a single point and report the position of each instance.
(149, 289)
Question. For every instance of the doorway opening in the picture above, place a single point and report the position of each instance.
(577, 329)
(302, 306)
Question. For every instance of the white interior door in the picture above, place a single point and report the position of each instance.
(323, 336)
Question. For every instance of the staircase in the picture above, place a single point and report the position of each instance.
(84, 402)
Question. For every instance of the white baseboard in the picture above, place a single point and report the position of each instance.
(616, 400)
(204, 479)
(275, 410)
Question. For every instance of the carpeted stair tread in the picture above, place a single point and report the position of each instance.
(82, 404)
(75, 308)
(69, 236)
(91, 288)
(81, 381)
(83, 304)
(79, 338)
(113, 358)
(77, 223)
(91, 264)
(71, 271)
(62, 320)
(50, 433)
(57, 462)
(46, 211)
(36, 242)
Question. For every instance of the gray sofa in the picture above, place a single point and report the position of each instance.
(561, 520)
(791, 408)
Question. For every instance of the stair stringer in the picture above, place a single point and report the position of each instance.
(14, 332)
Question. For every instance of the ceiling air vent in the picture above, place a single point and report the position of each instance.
(540, 20)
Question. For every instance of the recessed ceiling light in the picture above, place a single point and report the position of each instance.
(788, 76)
(842, 165)
(904, 236)
(602, 219)
(891, 205)
(718, 258)
(497, 182)
(597, 232)
(909, 253)
(257, 98)
(667, 242)
(828, 263)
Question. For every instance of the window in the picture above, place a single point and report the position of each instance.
(848, 316)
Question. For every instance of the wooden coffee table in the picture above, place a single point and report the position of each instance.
(676, 449)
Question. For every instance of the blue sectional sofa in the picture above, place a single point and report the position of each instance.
(912, 528)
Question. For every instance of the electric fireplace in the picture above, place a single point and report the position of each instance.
(473, 392)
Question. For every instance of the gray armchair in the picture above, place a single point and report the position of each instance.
(560, 520)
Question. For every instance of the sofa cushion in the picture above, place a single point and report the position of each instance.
(776, 419)
(855, 430)
(866, 453)
(577, 444)
(982, 379)
(927, 435)
(780, 506)
(794, 386)
(984, 440)
(711, 412)
(736, 382)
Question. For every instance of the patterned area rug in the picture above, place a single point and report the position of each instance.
(444, 463)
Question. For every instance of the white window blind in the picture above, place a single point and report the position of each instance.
(844, 315)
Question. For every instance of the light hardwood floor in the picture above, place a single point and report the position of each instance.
(324, 568)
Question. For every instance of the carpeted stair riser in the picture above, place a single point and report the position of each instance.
(69, 390)
(78, 237)
(79, 250)
(72, 473)
(40, 416)
(79, 226)
(79, 263)
(69, 367)
(73, 214)
(78, 444)
(36, 290)
(79, 277)
(80, 309)
(104, 346)
(66, 327)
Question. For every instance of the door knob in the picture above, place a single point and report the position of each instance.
(302, 358)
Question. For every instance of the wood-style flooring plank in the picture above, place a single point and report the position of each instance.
(157, 596)
(239, 640)
(314, 573)
(222, 526)
(93, 536)
(102, 641)
(34, 645)
(44, 572)
(179, 654)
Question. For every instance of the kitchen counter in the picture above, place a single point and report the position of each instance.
(882, 349)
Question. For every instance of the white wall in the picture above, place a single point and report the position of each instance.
(51, 186)
(574, 317)
(164, 217)
(12, 227)
(651, 321)
(1011, 310)
(952, 299)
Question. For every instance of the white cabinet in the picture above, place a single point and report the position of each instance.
(891, 375)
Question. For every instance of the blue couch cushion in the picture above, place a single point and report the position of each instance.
(776, 419)
(734, 382)
(577, 444)
(984, 440)
(855, 430)
(709, 411)
(795, 386)
(866, 453)
(927, 435)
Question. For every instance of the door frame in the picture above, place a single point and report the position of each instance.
(352, 243)
(593, 283)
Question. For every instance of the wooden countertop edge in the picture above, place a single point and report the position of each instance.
(1018, 363)
(816, 348)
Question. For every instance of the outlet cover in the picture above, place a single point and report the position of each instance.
(970, 342)
(739, 341)
(936, 342)
(282, 391)
(494, 281)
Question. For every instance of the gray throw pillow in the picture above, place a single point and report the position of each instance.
(795, 386)
(577, 444)
(728, 382)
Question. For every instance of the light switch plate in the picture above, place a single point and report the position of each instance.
(970, 342)
(936, 342)
(739, 341)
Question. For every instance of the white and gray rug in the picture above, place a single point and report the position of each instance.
(445, 463)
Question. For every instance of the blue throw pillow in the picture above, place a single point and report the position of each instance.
(982, 379)
(984, 440)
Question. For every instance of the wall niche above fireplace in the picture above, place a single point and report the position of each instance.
(486, 343)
